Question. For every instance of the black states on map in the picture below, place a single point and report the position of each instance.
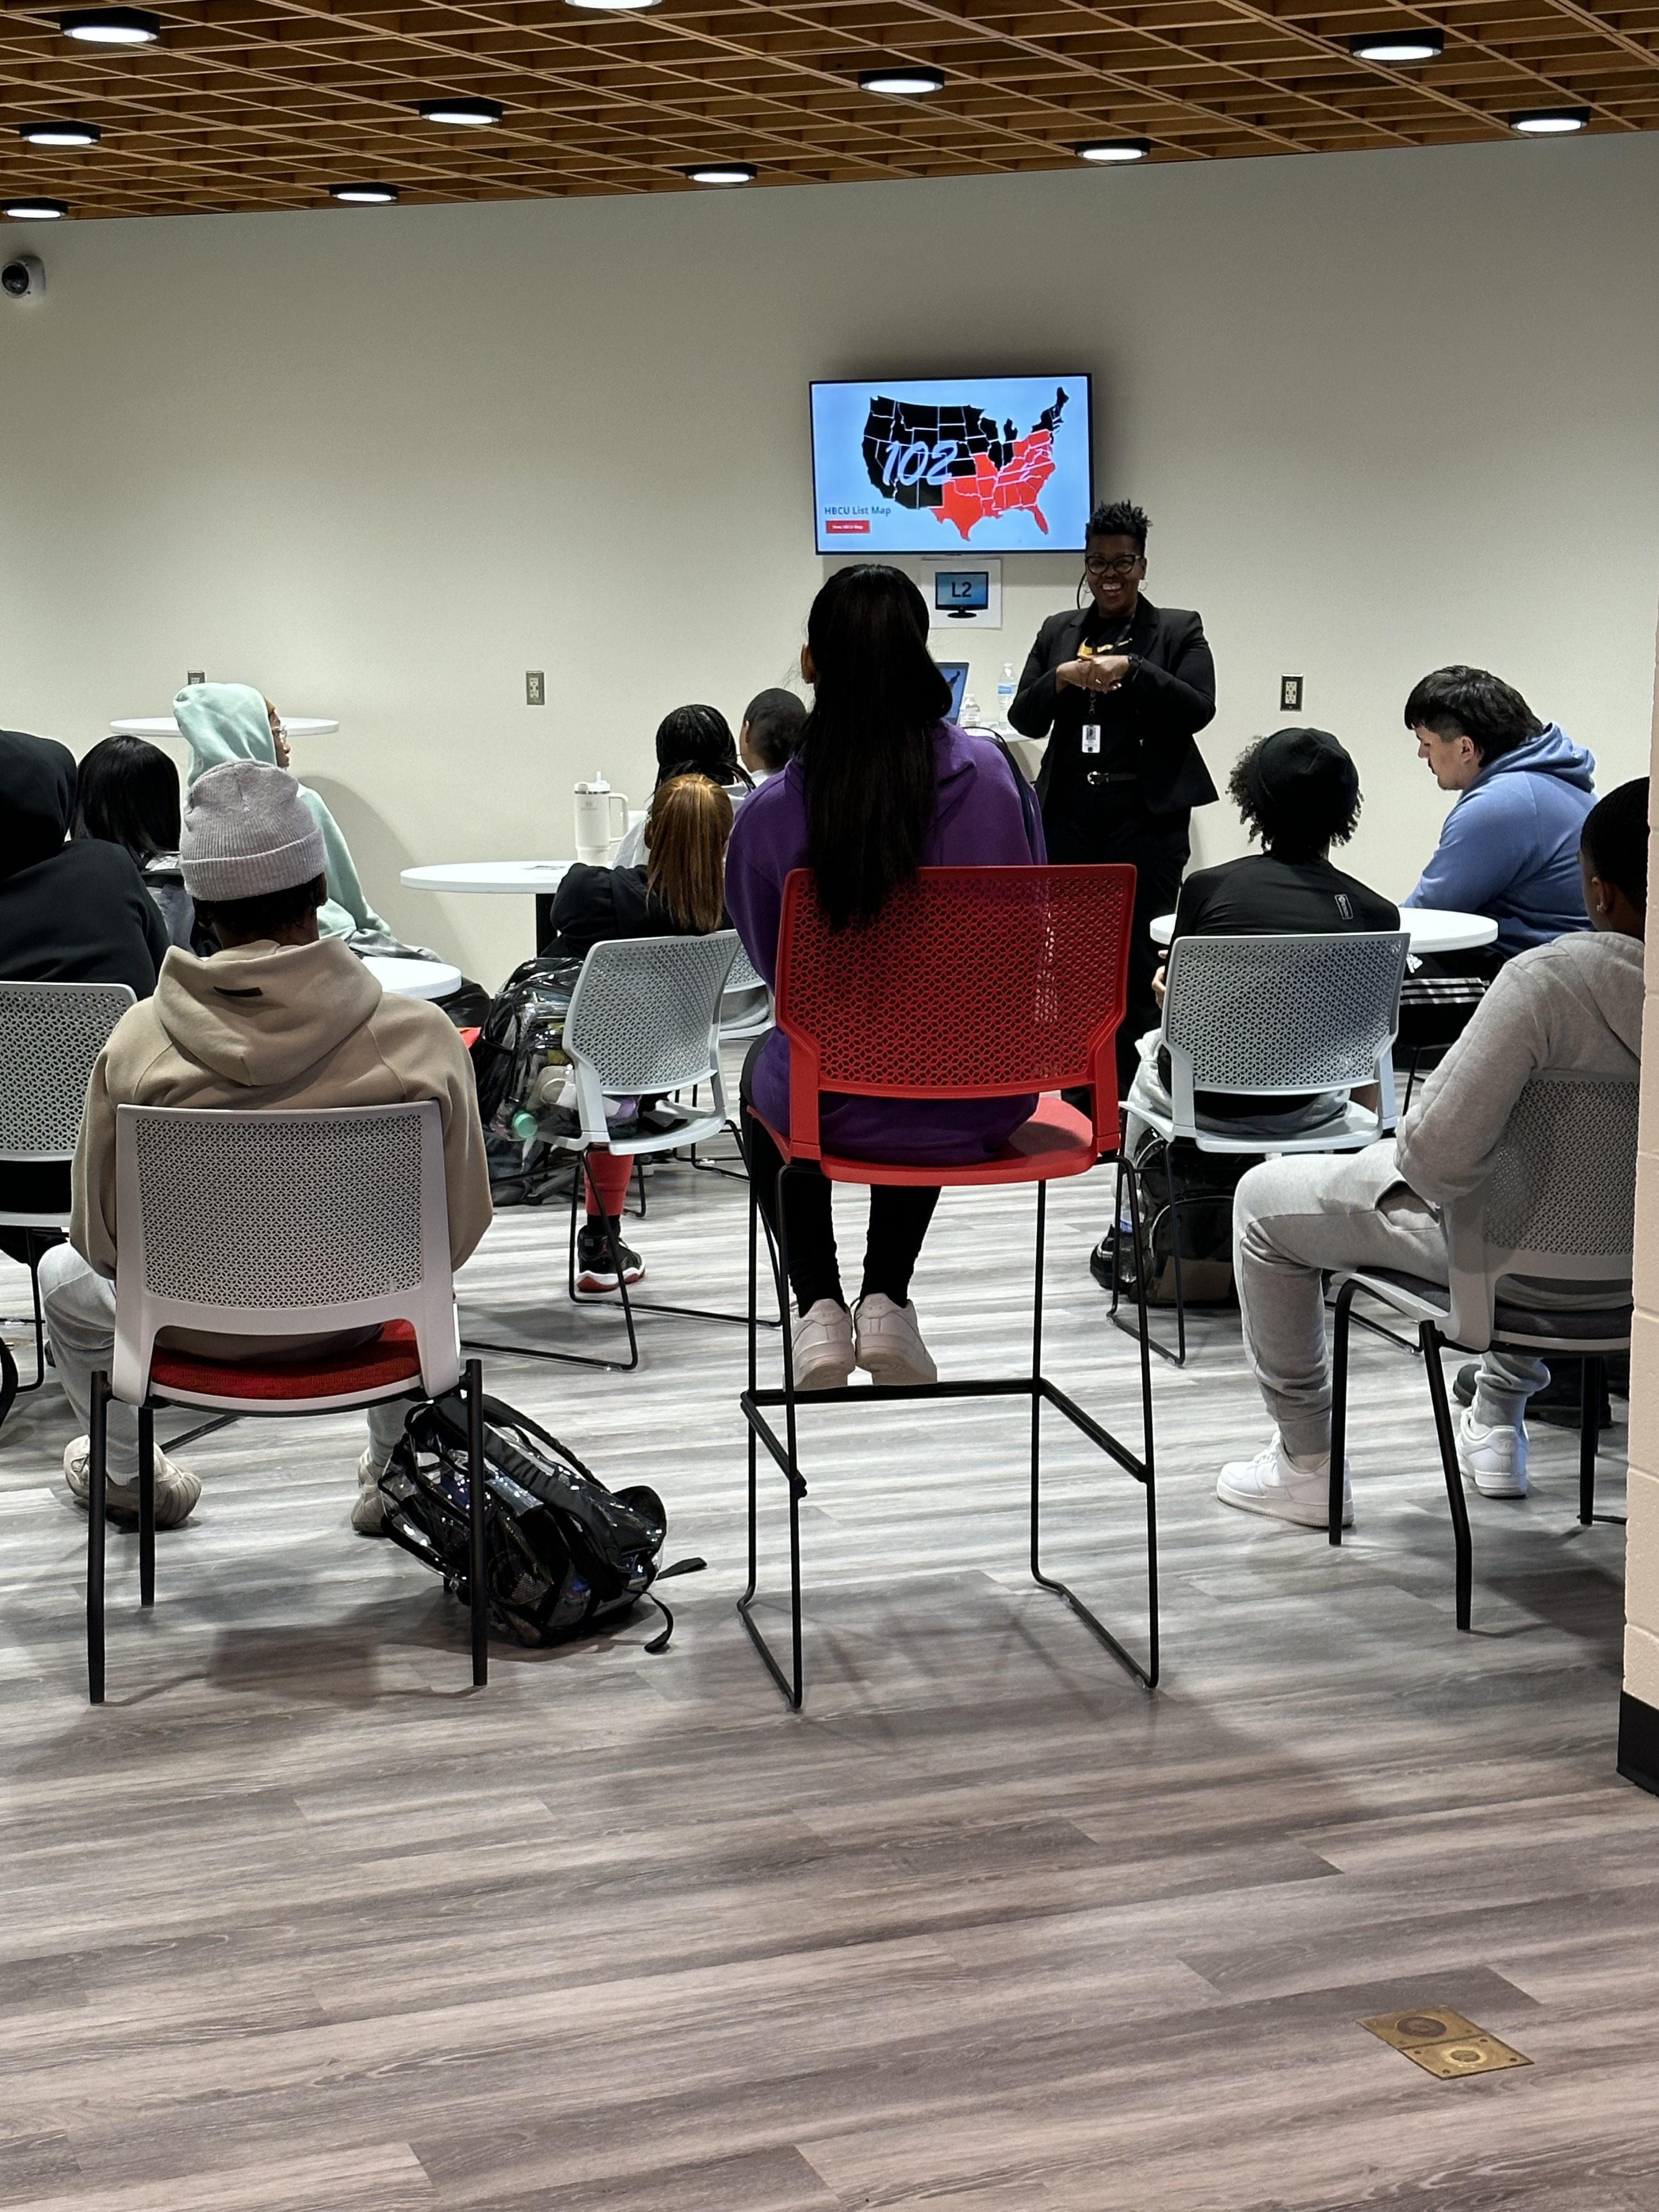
(910, 451)
(1050, 418)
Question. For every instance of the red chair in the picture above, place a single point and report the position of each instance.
(974, 983)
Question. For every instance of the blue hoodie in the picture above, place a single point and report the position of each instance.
(1510, 846)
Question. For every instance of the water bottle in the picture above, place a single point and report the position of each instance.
(970, 711)
(1006, 694)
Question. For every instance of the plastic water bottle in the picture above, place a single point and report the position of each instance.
(970, 711)
(1006, 694)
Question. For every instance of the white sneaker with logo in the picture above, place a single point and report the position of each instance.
(1284, 1488)
(1494, 1459)
(822, 1347)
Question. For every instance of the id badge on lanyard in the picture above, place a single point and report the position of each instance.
(1091, 737)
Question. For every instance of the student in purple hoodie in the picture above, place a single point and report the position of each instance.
(880, 786)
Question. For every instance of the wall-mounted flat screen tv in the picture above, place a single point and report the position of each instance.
(929, 464)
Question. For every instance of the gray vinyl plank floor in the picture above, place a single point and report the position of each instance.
(299, 1920)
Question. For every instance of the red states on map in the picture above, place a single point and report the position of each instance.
(969, 500)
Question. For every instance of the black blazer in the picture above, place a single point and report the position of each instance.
(1168, 696)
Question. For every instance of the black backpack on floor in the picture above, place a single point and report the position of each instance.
(564, 1556)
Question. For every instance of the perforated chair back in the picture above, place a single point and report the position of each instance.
(644, 1018)
(1558, 1208)
(281, 1223)
(1282, 1016)
(746, 1002)
(50, 1036)
(971, 983)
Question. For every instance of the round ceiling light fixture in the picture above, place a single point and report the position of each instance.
(59, 134)
(364, 195)
(1397, 47)
(615, 7)
(112, 26)
(33, 211)
(469, 113)
(1549, 122)
(722, 173)
(1113, 150)
(902, 80)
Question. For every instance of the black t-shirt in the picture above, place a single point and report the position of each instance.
(1262, 895)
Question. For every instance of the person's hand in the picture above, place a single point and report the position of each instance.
(1091, 672)
(1157, 982)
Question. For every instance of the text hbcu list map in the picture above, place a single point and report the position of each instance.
(1000, 465)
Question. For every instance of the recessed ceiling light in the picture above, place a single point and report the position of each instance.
(364, 195)
(1549, 122)
(1113, 149)
(34, 210)
(615, 7)
(902, 80)
(112, 26)
(59, 134)
(472, 112)
(722, 173)
(1398, 46)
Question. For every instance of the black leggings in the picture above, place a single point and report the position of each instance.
(899, 1215)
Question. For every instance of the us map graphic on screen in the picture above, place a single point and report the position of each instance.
(999, 463)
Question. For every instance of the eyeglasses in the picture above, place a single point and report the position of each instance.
(1125, 566)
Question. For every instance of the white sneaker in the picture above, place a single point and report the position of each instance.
(822, 1347)
(176, 1488)
(1287, 1489)
(369, 1507)
(1494, 1459)
(889, 1346)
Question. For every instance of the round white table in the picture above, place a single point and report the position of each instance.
(163, 726)
(500, 876)
(1432, 929)
(414, 979)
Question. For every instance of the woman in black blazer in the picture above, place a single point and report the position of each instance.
(1120, 688)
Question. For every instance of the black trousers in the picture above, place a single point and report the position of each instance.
(899, 1215)
(1157, 846)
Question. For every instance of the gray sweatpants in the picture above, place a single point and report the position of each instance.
(80, 1308)
(1295, 1217)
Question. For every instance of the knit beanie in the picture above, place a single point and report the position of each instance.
(247, 833)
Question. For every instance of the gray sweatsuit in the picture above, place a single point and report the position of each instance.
(1575, 1003)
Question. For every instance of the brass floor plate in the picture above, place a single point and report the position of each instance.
(1443, 2043)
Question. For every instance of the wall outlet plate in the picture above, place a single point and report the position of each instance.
(1289, 695)
(195, 676)
(535, 687)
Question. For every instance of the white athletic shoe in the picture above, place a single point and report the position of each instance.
(889, 1346)
(1285, 1488)
(1494, 1459)
(176, 1488)
(369, 1507)
(823, 1346)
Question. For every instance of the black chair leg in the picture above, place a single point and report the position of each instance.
(792, 1685)
(97, 1448)
(146, 1504)
(1429, 1336)
(1339, 1407)
(1590, 1372)
(478, 1589)
(8, 1381)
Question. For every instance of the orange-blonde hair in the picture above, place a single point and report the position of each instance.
(685, 835)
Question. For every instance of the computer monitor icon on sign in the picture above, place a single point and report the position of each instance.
(962, 593)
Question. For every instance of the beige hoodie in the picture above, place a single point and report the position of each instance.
(269, 1025)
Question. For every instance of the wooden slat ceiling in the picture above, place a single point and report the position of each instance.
(247, 103)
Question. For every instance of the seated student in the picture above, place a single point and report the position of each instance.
(1572, 1004)
(1509, 846)
(677, 893)
(691, 741)
(1298, 792)
(769, 733)
(280, 1017)
(882, 785)
(223, 722)
(126, 794)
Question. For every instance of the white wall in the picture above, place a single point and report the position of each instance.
(1386, 410)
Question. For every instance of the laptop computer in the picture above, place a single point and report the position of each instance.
(955, 673)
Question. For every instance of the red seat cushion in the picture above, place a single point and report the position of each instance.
(1056, 1141)
(392, 1357)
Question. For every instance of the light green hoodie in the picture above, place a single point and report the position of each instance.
(221, 722)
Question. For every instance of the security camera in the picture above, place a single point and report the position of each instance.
(25, 278)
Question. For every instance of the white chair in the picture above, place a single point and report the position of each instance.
(1266, 1017)
(1538, 1259)
(280, 1225)
(643, 1022)
(746, 1005)
(50, 1036)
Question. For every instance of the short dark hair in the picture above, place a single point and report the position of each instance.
(1472, 702)
(1298, 791)
(1614, 840)
(1118, 518)
(126, 792)
(697, 741)
(774, 720)
(264, 916)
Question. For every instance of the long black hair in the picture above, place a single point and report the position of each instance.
(866, 752)
(127, 793)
